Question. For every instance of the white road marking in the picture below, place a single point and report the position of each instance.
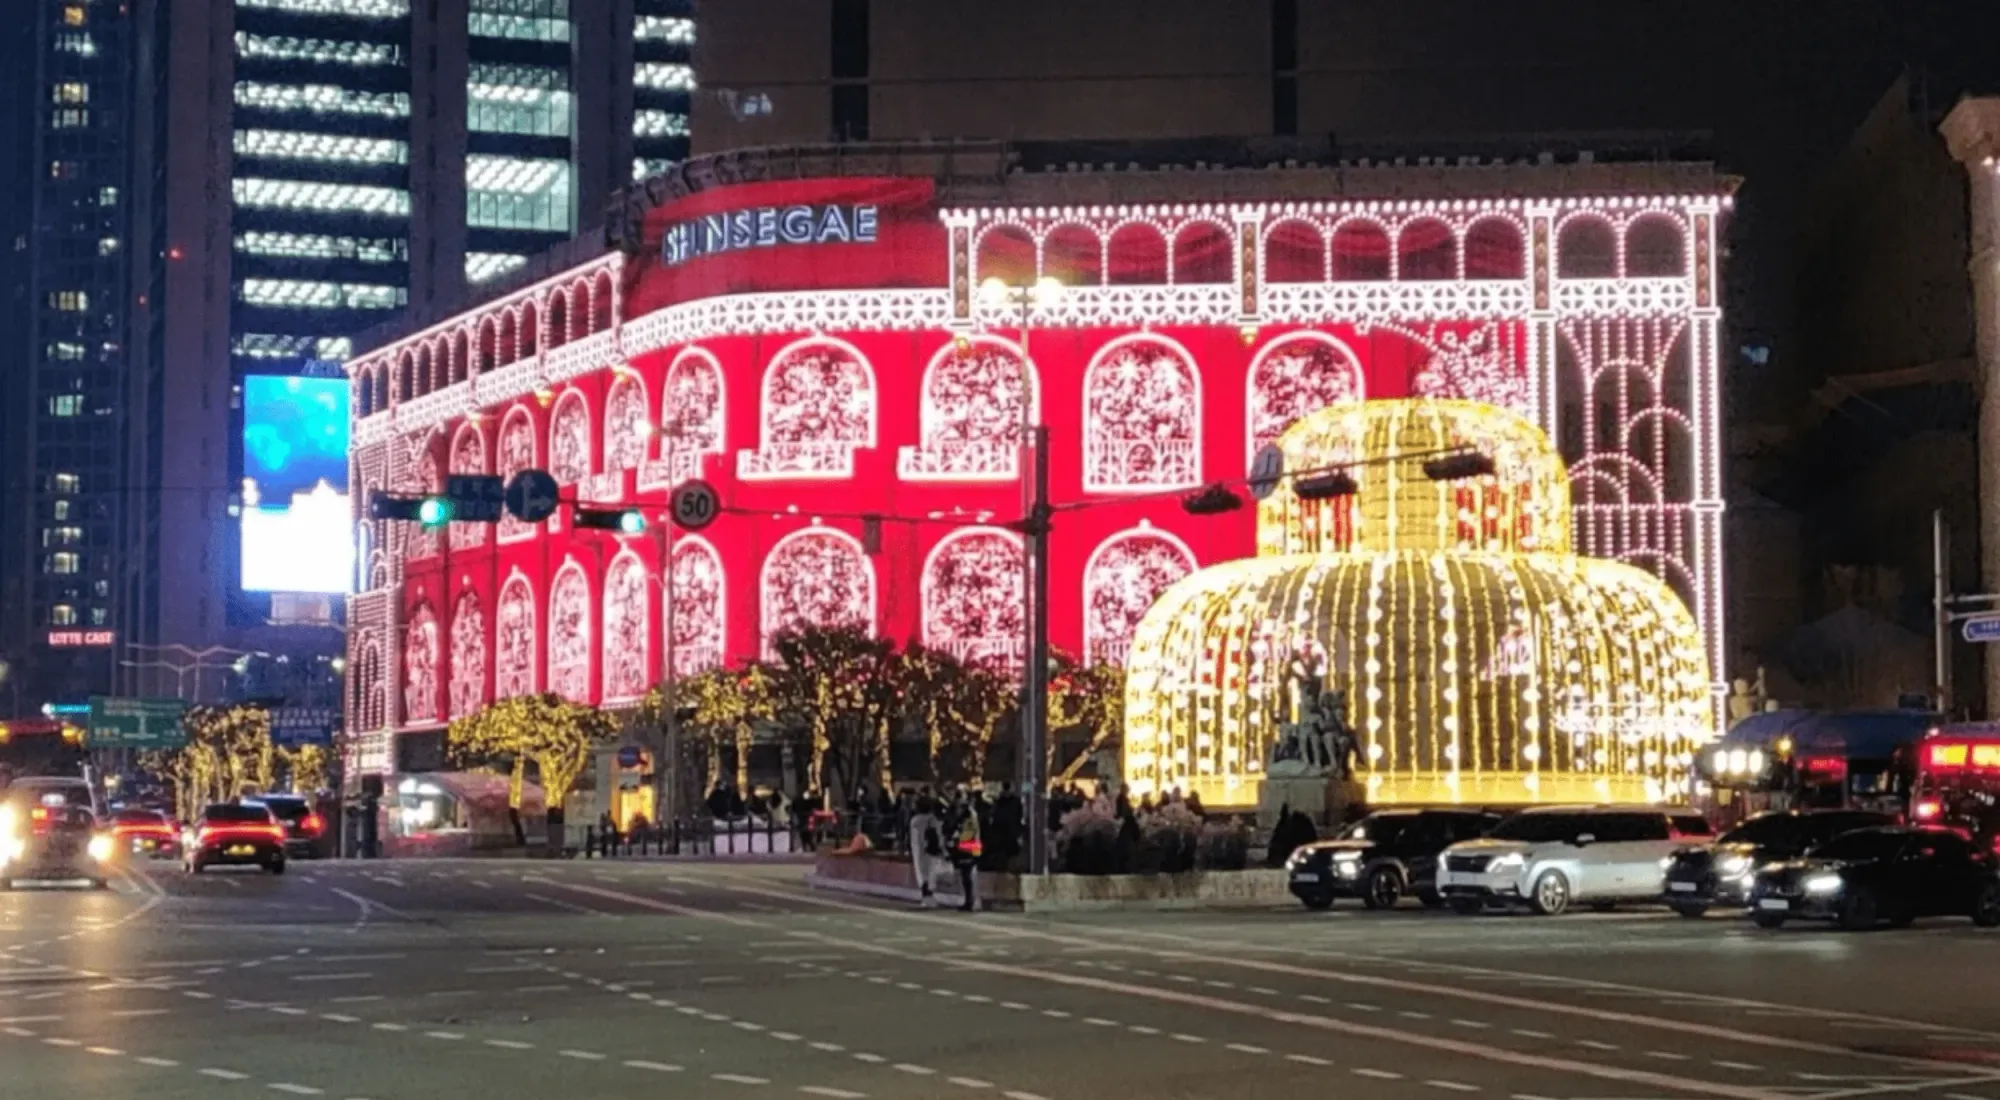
(656, 1067)
(871, 1059)
(1099, 1021)
(1246, 1048)
(296, 1090)
(970, 1082)
(109, 1052)
(1186, 1038)
(348, 976)
(126, 1013)
(785, 1036)
(390, 1027)
(156, 1063)
(224, 1074)
(1378, 1074)
(1144, 1030)
(920, 1071)
(583, 1055)
(1307, 1059)
(447, 1036)
(1455, 1086)
(1015, 1005)
(59, 1042)
(1747, 1067)
(510, 1044)
(835, 1094)
(740, 1079)
(339, 1018)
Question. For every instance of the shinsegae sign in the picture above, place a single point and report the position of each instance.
(766, 227)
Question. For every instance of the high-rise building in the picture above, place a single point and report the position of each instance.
(66, 71)
(238, 188)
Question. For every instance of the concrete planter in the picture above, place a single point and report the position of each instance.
(880, 876)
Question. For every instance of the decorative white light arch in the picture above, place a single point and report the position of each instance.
(1121, 579)
(971, 412)
(516, 639)
(1141, 416)
(1296, 374)
(815, 576)
(628, 632)
(971, 596)
(700, 595)
(820, 405)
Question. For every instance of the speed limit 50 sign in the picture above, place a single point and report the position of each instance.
(694, 505)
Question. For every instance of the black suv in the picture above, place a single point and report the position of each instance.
(1382, 857)
(1702, 876)
(1872, 875)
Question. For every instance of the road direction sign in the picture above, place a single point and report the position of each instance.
(135, 723)
(1981, 628)
(695, 504)
(1266, 470)
(295, 726)
(531, 496)
(476, 498)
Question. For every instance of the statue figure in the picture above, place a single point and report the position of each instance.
(1742, 704)
(1337, 744)
(1318, 742)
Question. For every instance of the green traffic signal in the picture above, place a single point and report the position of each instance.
(631, 522)
(434, 512)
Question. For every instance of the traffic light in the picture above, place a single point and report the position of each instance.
(1326, 486)
(1458, 467)
(432, 512)
(625, 521)
(1212, 501)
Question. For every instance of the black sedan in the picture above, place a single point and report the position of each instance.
(1382, 857)
(1720, 873)
(1872, 875)
(51, 841)
(231, 835)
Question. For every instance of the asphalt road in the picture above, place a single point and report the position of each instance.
(501, 979)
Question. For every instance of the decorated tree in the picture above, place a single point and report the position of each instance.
(840, 687)
(555, 735)
(310, 767)
(226, 752)
(1090, 698)
(722, 707)
(958, 704)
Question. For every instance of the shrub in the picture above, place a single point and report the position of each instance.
(1224, 846)
(1087, 841)
(1172, 832)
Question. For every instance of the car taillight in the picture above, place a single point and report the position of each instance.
(313, 825)
(1928, 809)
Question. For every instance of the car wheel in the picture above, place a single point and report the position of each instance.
(1383, 889)
(1317, 901)
(1691, 911)
(1431, 899)
(276, 866)
(1986, 910)
(1858, 911)
(1769, 920)
(1467, 907)
(1550, 896)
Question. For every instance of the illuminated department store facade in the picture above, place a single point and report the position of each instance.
(814, 344)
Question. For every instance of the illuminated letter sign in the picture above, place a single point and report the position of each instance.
(69, 639)
(766, 226)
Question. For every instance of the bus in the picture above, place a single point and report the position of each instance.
(1957, 781)
(1800, 760)
(40, 746)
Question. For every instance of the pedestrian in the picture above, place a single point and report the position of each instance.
(1007, 832)
(927, 855)
(965, 852)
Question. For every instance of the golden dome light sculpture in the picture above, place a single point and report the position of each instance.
(1481, 659)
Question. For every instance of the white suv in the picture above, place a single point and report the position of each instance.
(1555, 857)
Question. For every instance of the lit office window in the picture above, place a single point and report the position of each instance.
(517, 99)
(321, 99)
(107, 196)
(64, 169)
(70, 91)
(313, 294)
(62, 614)
(76, 42)
(73, 15)
(69, 118)
(65, 350)
(66, 483)
(648, 167)
(663, 28)
(99, 616)
(533, 20)
(353, 9)
(61, 509)
(350, 198)
(317, 51)
(107, 246)
(321, 246)
(483, 267)
(66, 404)
(648, 123)
(663, 76)
(66, 562)
(330, 148)
(517, 193)
(69, 301)
(267, 345)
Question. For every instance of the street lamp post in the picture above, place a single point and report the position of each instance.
(1033, 466)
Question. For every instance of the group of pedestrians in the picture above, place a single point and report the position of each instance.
(946, 835)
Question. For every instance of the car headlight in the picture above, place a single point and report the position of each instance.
(101, 847)
(1733, 866)
(1512, 861)
(7, 822)
(1347, 865)
(1822, 884)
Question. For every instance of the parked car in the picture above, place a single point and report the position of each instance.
(1893, 874)
(1705, 875)
(1551, 858)
(1383, 857)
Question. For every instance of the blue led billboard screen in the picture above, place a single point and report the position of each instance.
(298, 531)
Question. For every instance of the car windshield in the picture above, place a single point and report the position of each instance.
(141, 817)
(1865, 844)
(1765, 829)
(1538, 828)
(287, 809)
(233, 814)
(50, 794)
(1378, 828)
